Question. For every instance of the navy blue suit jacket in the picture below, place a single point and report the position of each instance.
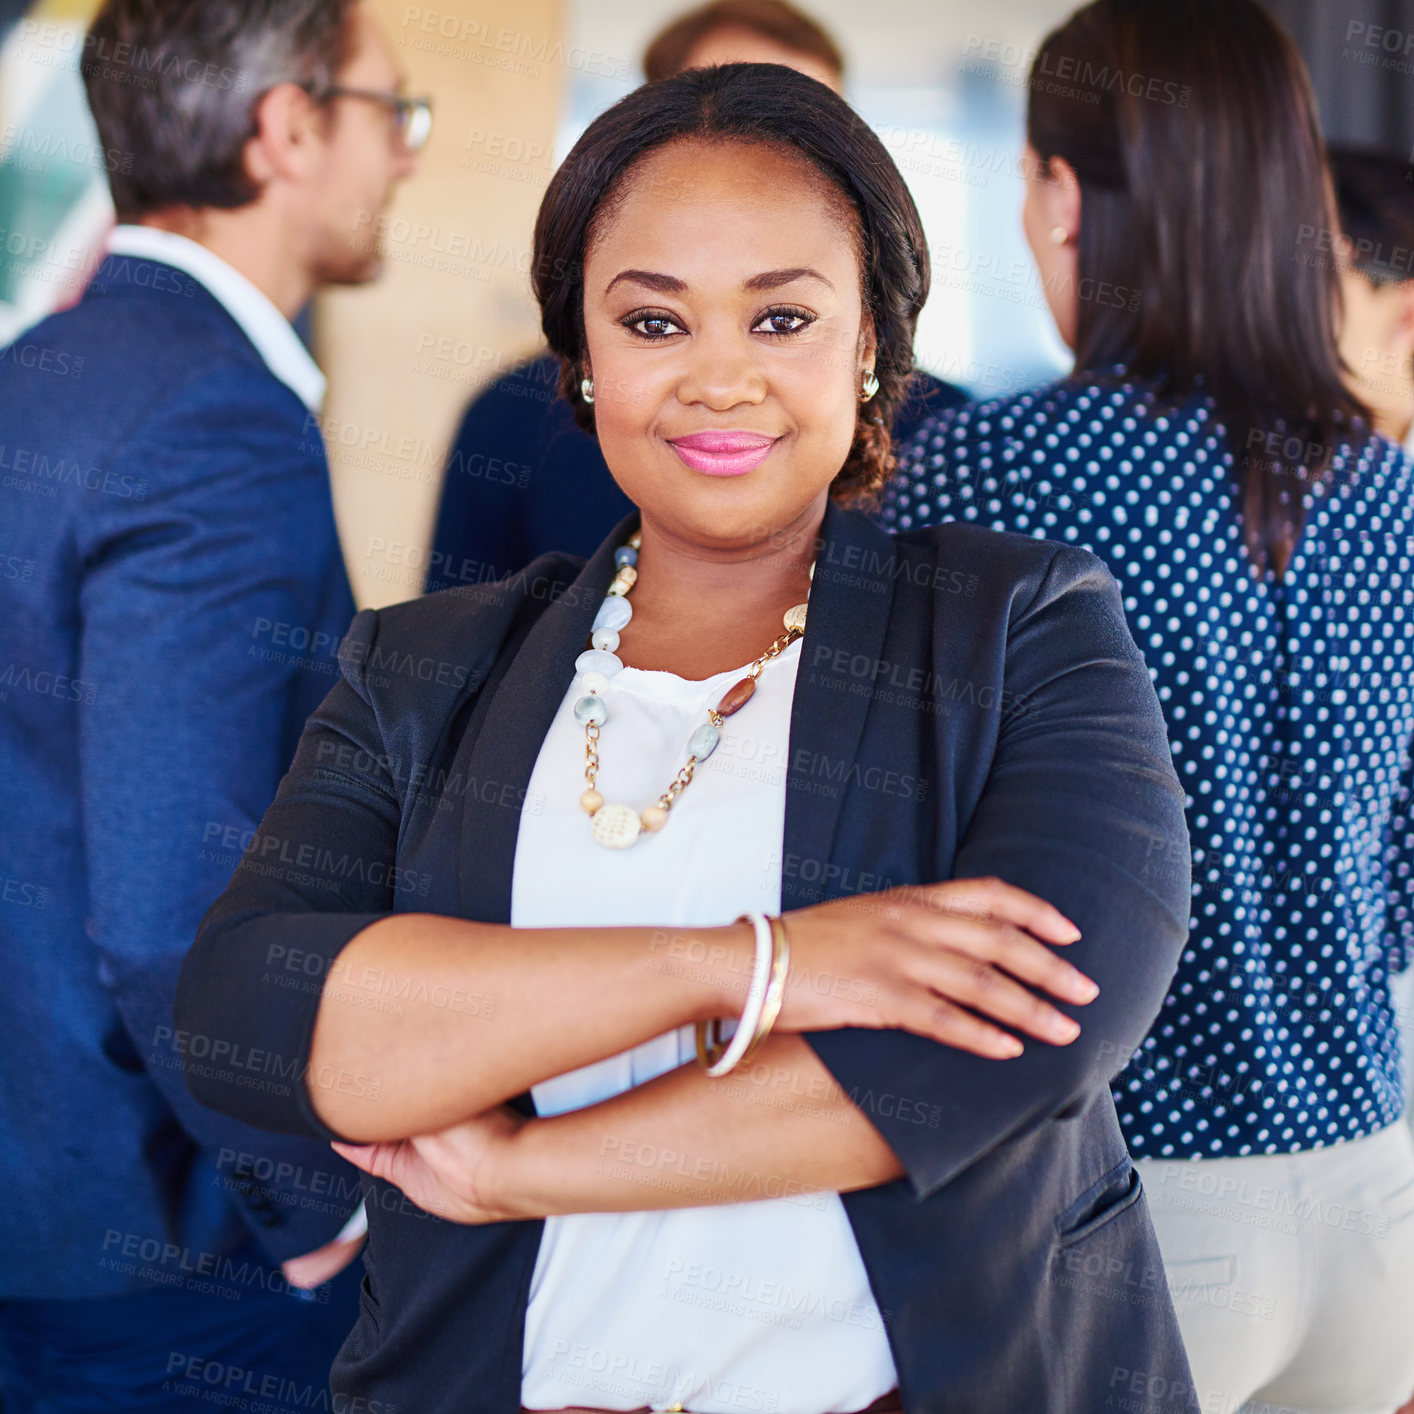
(174, 594)
(1015, 1263)
(524, 479)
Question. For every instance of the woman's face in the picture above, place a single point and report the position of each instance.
(726, 338)
(1377, 344)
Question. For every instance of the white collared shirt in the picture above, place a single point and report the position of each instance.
(272, 334)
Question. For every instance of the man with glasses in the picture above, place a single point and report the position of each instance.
(175, 596)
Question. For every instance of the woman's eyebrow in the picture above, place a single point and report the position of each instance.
(664, 284)
(774, 279)
(671, 285)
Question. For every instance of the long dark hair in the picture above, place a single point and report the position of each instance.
(1192, 128)
(751, 103)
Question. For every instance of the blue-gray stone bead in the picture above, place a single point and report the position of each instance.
(596, 660)
(614, 613)
(591, 709)
(703, 742)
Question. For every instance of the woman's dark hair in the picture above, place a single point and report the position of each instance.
(771, 19)
(749, 103)
(173, 83)
(1193, 131)
(1374, 193)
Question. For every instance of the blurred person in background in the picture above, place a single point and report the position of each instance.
(1374, 192)
(1207, 447)
(1375, 195)
(522, 478)
(174, 593)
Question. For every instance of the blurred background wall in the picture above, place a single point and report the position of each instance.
(514, 83)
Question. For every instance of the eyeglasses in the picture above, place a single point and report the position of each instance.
(412, 116)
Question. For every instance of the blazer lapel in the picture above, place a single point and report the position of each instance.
(850, 599)
(515, 727)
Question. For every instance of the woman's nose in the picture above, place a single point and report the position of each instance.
(721, 374)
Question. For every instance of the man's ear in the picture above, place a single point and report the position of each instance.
(289, 136)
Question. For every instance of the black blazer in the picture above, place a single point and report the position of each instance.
(1015, 1264)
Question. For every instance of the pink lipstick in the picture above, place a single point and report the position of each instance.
(723, 453)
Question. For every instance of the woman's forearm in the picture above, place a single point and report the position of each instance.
(781, 1128)
(438, 1018)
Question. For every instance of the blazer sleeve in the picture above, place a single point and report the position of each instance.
(185, 729)
(320, 869)
(1082, 807)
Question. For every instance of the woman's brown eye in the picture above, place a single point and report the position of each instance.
(783, 323)
(656, 326)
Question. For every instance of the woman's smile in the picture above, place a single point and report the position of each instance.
(723, 453)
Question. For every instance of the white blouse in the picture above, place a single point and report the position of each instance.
(756, 1306)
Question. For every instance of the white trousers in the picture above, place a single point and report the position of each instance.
(1293, 1275)
(1402, 990)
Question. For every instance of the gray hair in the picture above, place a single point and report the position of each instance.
(173, 84)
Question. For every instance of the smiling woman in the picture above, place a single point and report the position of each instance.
(892, 1184)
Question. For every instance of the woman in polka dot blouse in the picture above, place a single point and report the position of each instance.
(1206, 447)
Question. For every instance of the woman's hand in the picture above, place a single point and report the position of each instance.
(450, 1174)
(313, 1269)
(945, 961)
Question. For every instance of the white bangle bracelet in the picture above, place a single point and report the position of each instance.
(755, 1001)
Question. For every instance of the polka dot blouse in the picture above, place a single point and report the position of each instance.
(1290, 708)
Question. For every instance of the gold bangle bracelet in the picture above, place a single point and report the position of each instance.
(709, 1051)
(776, 987)
(721, 1057)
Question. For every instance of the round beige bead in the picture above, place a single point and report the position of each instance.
(616, 826)
(654, 817)
(590, 801)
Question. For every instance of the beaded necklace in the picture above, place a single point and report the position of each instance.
(618, 826)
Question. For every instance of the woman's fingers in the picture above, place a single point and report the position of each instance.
(1005, 946)
(996, 996)
(926, 1014)
(991, 898)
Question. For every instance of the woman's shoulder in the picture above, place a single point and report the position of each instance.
(1365, 466)
(443, 643)
(1001, 565)
(1110, 405)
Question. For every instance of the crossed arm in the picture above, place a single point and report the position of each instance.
(684, 1140)
(1080, 790)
